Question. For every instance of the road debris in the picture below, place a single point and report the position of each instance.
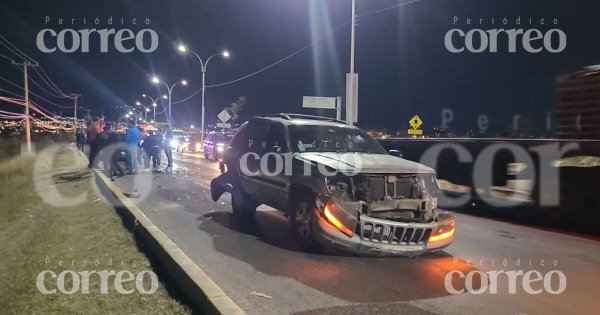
(261, 295)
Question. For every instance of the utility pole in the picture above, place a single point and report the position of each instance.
(74, 97)
(352, 33)
(25, 64)
(27, 123)
(352, 78)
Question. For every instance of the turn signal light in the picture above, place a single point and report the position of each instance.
(443, 232)
(333, 220)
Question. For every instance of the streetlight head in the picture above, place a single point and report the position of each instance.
(130, 113)
(143, 95)
(138, 103)
(127, 116)
(225, 53)
(181, 48)
(165, 96)
(154, 104)
(184, 82)
(147, 109)
(155, 79)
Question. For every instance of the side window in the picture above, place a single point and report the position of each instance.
(276, 137)
(240, 138)
(256, 137)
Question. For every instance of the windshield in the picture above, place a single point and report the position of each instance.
(224, 137)
(311, 138)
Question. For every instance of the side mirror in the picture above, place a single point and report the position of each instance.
(276, 149)
(396, 153)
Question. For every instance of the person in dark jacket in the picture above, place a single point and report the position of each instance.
(110, 147)
(151, 146)
(168, 134)
(92, 138)
(80, 137)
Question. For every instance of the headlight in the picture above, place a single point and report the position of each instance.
(174, 143)
(220, 149)
(198, 146)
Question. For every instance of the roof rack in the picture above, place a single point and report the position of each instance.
(290, 116)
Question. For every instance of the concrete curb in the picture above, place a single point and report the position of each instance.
(199, 289)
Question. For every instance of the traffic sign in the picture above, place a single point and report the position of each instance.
(224, 116)
(223, 125)
(318, 102)
(415, 122)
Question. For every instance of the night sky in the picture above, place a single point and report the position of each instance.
(404, 68)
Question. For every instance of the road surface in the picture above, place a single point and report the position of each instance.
(264, 260)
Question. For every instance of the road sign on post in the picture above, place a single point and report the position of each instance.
(318, 102)
(223, 125)
(415, 124)
(224, 116)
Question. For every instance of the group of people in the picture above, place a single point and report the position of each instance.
(138, 147)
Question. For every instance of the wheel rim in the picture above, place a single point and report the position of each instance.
(303, 220)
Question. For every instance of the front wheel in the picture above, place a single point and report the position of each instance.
(302, 222)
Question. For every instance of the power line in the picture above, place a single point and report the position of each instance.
(388, 8)
(43, 89)
(30, 92)
(57, 93)
(299, 50)
(45, 77)
(269, 66)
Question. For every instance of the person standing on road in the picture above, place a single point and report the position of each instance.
(160, 137)
(152, 147)
(132, 139)
(92, 139)
(80, 138)
(109, 141)
(168, 148)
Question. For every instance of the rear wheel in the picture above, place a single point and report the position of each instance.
(302, 222)
(244, 208)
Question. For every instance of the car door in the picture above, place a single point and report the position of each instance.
(272, 172)
(250, 151)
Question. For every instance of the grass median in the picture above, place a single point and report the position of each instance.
(37, 234)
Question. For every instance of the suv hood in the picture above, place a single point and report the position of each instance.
(364, 162)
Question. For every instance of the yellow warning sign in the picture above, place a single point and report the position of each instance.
(415, 123)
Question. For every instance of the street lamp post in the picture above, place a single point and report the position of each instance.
(156, 80)
(203, 65)
(154, 104)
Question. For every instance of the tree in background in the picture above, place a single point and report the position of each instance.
(234, 108)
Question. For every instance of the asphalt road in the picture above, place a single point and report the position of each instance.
(265, 259)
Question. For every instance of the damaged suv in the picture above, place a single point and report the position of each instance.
(336, 185)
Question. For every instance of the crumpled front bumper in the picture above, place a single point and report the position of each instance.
(376, 237)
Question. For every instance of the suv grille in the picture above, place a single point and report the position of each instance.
(382, 231)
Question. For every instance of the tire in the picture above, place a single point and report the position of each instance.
(244, 208)
(302, 221)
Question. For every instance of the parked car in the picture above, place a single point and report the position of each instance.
(188, 144)
(337, 186)
(215, 144)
